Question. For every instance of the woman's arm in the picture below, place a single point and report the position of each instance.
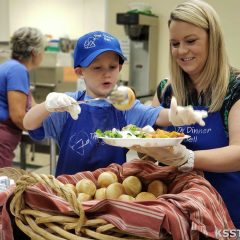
(163, 118)
(17, 102)
(155, 101)
(33, 102)
(225, 159)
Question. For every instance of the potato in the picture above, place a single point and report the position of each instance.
(145, 196)
(157, 188)
(114, 190)
(125, 197)
(83, 197)
(132, 186)
(100, 194)
(86, 186)
(107, 178)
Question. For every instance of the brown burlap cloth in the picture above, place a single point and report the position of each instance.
(191, 208)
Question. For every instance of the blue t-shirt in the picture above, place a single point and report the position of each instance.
(14, 76)
(140, 115)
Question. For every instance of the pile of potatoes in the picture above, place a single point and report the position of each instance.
(109, 188)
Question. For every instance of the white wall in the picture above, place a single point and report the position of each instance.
(4, 20)
(94, 15)
(58, 18)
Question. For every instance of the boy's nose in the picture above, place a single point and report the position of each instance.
(107, 72)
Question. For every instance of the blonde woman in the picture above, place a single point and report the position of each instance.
(27, 45)
(200, 75)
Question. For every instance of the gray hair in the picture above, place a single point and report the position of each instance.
(25, 41)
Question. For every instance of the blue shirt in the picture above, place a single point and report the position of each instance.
(14, 76)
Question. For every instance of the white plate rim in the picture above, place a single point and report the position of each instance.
(145, 142)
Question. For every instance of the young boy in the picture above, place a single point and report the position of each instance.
(98, 59)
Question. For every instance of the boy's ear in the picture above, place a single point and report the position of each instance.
(78, 70)
(120, 67)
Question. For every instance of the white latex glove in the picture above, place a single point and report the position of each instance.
(60, 102)
(179, 115)
(171, 156)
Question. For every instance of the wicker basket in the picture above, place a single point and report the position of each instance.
(42, 225)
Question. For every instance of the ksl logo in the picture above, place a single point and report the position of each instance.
(226, 233)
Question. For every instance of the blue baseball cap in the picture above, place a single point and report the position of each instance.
(92, 44)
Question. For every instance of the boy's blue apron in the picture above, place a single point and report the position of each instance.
(211, 136)
(80, 150)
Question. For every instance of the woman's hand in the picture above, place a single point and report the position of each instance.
(172, 156)
(179, 115)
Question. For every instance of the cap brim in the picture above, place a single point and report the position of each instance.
(92, 56)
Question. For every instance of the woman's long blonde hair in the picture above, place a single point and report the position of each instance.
(216, 73)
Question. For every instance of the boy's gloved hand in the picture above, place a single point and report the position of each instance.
(60, 102)
(171, 156)
(179, 115)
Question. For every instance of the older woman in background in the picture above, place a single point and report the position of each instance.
(27, 45)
